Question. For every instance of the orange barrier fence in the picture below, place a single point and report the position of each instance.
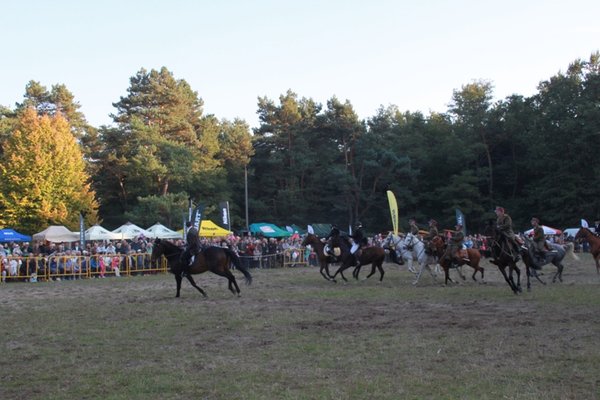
(77, 267)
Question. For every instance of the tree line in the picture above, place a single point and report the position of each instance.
(306, 162)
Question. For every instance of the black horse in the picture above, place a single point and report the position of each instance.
(369, 255)
(214, 259)
(502, 258)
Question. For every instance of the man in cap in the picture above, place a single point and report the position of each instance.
(360, 241)
(413, 227)
(192, 247)
(332, 239)
(504, 225)
(539, 238)
(433, 232)
(455, 246)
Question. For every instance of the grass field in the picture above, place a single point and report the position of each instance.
(292, 335)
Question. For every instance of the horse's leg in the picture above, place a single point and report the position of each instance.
(189, 278)
(373, 269)
(460, 273)
(356, 271)
(178, 282)
(558, 274)
(340, 271)
(597, 259)
(324, 270)
(379, 266)
(508, 279)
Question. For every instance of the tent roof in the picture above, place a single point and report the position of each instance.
(56, 233)
(10, 235)
(210, 229)
(321, 230)
(268, 230)
(130, 231)
(97, 232)
(160, 231)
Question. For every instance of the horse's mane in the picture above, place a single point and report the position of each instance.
(169, 245)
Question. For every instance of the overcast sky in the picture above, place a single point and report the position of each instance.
(372, 53)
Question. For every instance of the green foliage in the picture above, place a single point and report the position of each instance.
(42, 176)
(168, 210)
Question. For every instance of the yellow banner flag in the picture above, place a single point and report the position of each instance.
(393, 210)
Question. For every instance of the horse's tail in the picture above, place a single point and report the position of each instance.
(235, 259)
(569, 248)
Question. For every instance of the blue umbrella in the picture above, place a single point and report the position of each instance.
(10, 235)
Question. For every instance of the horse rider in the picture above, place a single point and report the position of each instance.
(332, 238)
(192, 247)
(504, 225)
(597, 226)
(433, 232)
(360, 241)
(455, 250)
(413, 227)
(540, 245)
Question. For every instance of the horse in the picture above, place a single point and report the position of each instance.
(558, 253)
(412, 247)
(394, 243)
(503, 259)
(473, 255)
(214, 259)
(324, 259)
(373, 255)
(594, 241)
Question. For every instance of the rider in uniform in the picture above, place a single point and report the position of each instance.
(414, 228)
(433, 232)
(192, 247)
(539, 238)
(504, 225)
(455, 249)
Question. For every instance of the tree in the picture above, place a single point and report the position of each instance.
(42, 176)
(470, 107)
(161, 145)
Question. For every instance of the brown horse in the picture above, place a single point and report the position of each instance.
(594, 241)
(214, 259)
(473, 255)
(324, 259)
(373, 255)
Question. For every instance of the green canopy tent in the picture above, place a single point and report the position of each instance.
(296, 228)
(321, 230)
(268, 230)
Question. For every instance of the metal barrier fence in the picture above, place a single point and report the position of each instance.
(78, 267)
(32, 269)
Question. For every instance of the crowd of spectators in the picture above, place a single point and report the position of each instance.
(102, 258)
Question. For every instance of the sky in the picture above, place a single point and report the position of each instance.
(374, 53)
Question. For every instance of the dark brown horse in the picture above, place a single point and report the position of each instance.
(214, 259)
(369, 255)
(503, 258)
(319, 248)
(594, 241)
(473, 255)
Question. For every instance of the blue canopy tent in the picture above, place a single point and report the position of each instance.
(268, 230)
(10, 235)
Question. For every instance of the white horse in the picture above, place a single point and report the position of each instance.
(412, 248)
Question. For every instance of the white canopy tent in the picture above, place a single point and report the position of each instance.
(56, 234)
(97, 232)
(160, 231)
(547, 231)
(130, 231)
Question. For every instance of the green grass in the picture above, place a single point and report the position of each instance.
(295, 336)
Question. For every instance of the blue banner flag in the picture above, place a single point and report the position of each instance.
(460, 219)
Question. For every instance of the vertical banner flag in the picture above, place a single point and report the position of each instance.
(224, 207)
(310, 229)
(197, 216)
(584, 223)
(393, 210)
(460, 219)
(81, 232)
